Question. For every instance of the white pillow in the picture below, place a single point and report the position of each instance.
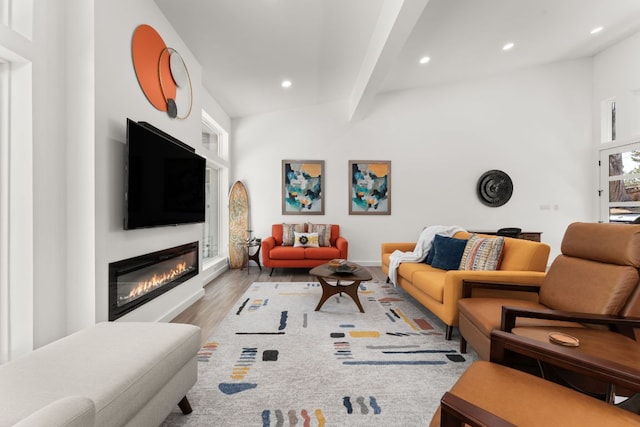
(306, 240)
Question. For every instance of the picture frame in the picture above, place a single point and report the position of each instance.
(303, 187)
(369, 187)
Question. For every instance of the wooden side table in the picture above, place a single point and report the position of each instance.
(255, 256)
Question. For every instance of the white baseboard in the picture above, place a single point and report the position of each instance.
(182, 306)
(367, 263)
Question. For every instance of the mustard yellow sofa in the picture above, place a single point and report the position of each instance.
(523, 262)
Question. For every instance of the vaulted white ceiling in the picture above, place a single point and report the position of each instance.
(354, 49)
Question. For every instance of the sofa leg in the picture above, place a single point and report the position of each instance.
(388, 280)
(185, 406)
(271, 272)
(448, 332)
(463, 345)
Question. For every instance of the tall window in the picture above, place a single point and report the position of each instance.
(5, 315)
(16, 180)
(620, 183)
(211, 240)
(18, 15)
(608, 120)
(214, 141)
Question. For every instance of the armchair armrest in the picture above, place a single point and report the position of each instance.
(456, 412)
(622, 325)
(608, 369)
(343, 246)
(531, 285)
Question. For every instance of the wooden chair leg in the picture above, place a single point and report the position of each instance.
(463, 345)
(388, 280)
(185, 406)
(447, 334)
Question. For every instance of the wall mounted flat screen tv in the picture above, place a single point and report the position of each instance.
(164, 179)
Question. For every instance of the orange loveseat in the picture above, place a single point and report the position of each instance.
(275, 255)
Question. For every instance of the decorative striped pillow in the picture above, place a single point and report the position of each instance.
(324, 233)
(288, 230)
(482, 253)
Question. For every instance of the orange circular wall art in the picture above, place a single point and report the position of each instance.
(155, 65)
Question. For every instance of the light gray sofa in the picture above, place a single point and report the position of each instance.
(110, 374)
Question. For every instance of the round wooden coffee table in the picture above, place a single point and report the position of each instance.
(324, 273)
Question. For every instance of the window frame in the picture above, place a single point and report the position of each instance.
(605, 151)
(217, 158)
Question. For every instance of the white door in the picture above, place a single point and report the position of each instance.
(620, 183)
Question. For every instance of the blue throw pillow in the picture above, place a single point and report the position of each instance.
(448, 252)
(430, 255)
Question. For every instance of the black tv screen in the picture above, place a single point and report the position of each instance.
(164, 179)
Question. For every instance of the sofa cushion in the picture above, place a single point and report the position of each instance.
(486, 313)
(482, 253)
(120, 366)
(430, 281)
(406, 270)
(526, 400)
(288, 233)
(306, 240)
(72, 411)
(524, 255)
(617, 243)
(322, 253)
(575, 284)
(429, 258)
(324, 233)
(286, 252)
(448, 252)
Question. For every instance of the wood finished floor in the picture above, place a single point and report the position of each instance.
(221, 293)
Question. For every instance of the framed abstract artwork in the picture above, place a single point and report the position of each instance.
(369, 187)
(302, 187)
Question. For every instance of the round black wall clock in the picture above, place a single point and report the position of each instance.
(494, 188)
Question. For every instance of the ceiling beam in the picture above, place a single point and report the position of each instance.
(395, 23)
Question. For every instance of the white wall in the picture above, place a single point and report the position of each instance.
(118, 96)
(616, 74)
(49, 160)
(84, 88)
(534, 124)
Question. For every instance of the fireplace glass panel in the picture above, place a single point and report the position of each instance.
(135, 281)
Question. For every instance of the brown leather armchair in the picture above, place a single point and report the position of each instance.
(597, 273)
(489, 394)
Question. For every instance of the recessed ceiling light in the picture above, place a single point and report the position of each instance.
(286, 83)
(424, 59)
(596, 30)
(507, 46)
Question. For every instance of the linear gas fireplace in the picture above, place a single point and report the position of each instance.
(136, 281)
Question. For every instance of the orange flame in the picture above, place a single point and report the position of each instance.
(157, 280)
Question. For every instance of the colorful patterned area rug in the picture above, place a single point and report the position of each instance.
(274, 361)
